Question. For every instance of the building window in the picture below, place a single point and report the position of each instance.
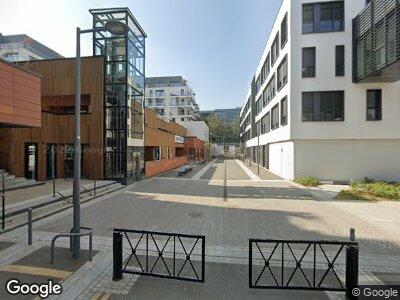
(182, 119)
(267, 122)
(282, 73)
(323, 106)
(308, 68)
(275, 49)
(284, 111)
(374, 105)
(284, 31)
(267, 65)
(258, 83)
(275, 117)
(323, 17)
(339, 60)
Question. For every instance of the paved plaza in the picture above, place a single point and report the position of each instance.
(229, 203)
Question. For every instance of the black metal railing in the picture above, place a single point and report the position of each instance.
(308, 265)
(159, 254)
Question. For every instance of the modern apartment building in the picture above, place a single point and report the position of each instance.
(21, 47)
(325, 97)
(225, 114)
(172, 98)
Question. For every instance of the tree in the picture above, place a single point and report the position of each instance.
(221, 131)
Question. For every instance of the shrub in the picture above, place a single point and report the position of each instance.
(307, 181)
(378, 189)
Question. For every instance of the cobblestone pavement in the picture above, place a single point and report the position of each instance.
(253, 209)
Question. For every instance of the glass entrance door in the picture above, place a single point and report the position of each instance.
(31, 160)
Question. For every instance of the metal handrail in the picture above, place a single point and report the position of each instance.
(40, 205)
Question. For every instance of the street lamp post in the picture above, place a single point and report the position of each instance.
(117, 28)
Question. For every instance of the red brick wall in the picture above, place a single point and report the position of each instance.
(194, 146)
(160, 166)
(19, 97)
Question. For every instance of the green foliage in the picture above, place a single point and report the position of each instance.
(378, 189)
(221, 131)
(352, 195)
(307, 181)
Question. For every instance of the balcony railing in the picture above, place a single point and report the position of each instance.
(376, 42)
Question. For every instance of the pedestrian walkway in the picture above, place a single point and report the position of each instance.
(261, 172)
(269, 209)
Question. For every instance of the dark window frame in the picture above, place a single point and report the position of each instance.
(316, 12)
(377, 109)
(308, 74)
(275, 46)
(340, 66)
(275, 125)
(284, 31)
(280, 85)
(284, 118)
(319, 95)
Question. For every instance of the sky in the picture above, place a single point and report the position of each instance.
(214, 44)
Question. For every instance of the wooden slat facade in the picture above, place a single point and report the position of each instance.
(58, 89)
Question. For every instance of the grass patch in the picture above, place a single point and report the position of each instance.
(353, 195)
(307, 181)
(371, 190)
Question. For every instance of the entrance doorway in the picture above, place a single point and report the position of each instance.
(31, 161)
(51, 161)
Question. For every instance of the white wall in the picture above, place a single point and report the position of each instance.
(348, 159)
(198, 129)
(355, 125)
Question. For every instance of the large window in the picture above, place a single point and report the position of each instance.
(275, 117)
(284, 111)
(323, 17)
(267, 65)
(374, 105)
(282, 73)
(284, 31)
(267, 122)
(275, 49)
(270, 90)
(339, 61)
(308, 68)
(258, 83)
(323, 106)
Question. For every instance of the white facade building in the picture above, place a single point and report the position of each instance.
(325, 98)
(21, 47)
(172, 98)
(198, 129)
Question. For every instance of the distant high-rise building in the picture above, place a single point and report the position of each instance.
(172, 98)
(21, 47)
(227, 115)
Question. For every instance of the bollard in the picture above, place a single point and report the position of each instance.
(94, 187)
(29, 226)
(352, 234)
(351, 270)
(117, 256)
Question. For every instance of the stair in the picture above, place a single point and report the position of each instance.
(12, 182)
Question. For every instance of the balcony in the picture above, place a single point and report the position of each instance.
(376, 42)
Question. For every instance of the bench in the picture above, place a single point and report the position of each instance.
(184, 170)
